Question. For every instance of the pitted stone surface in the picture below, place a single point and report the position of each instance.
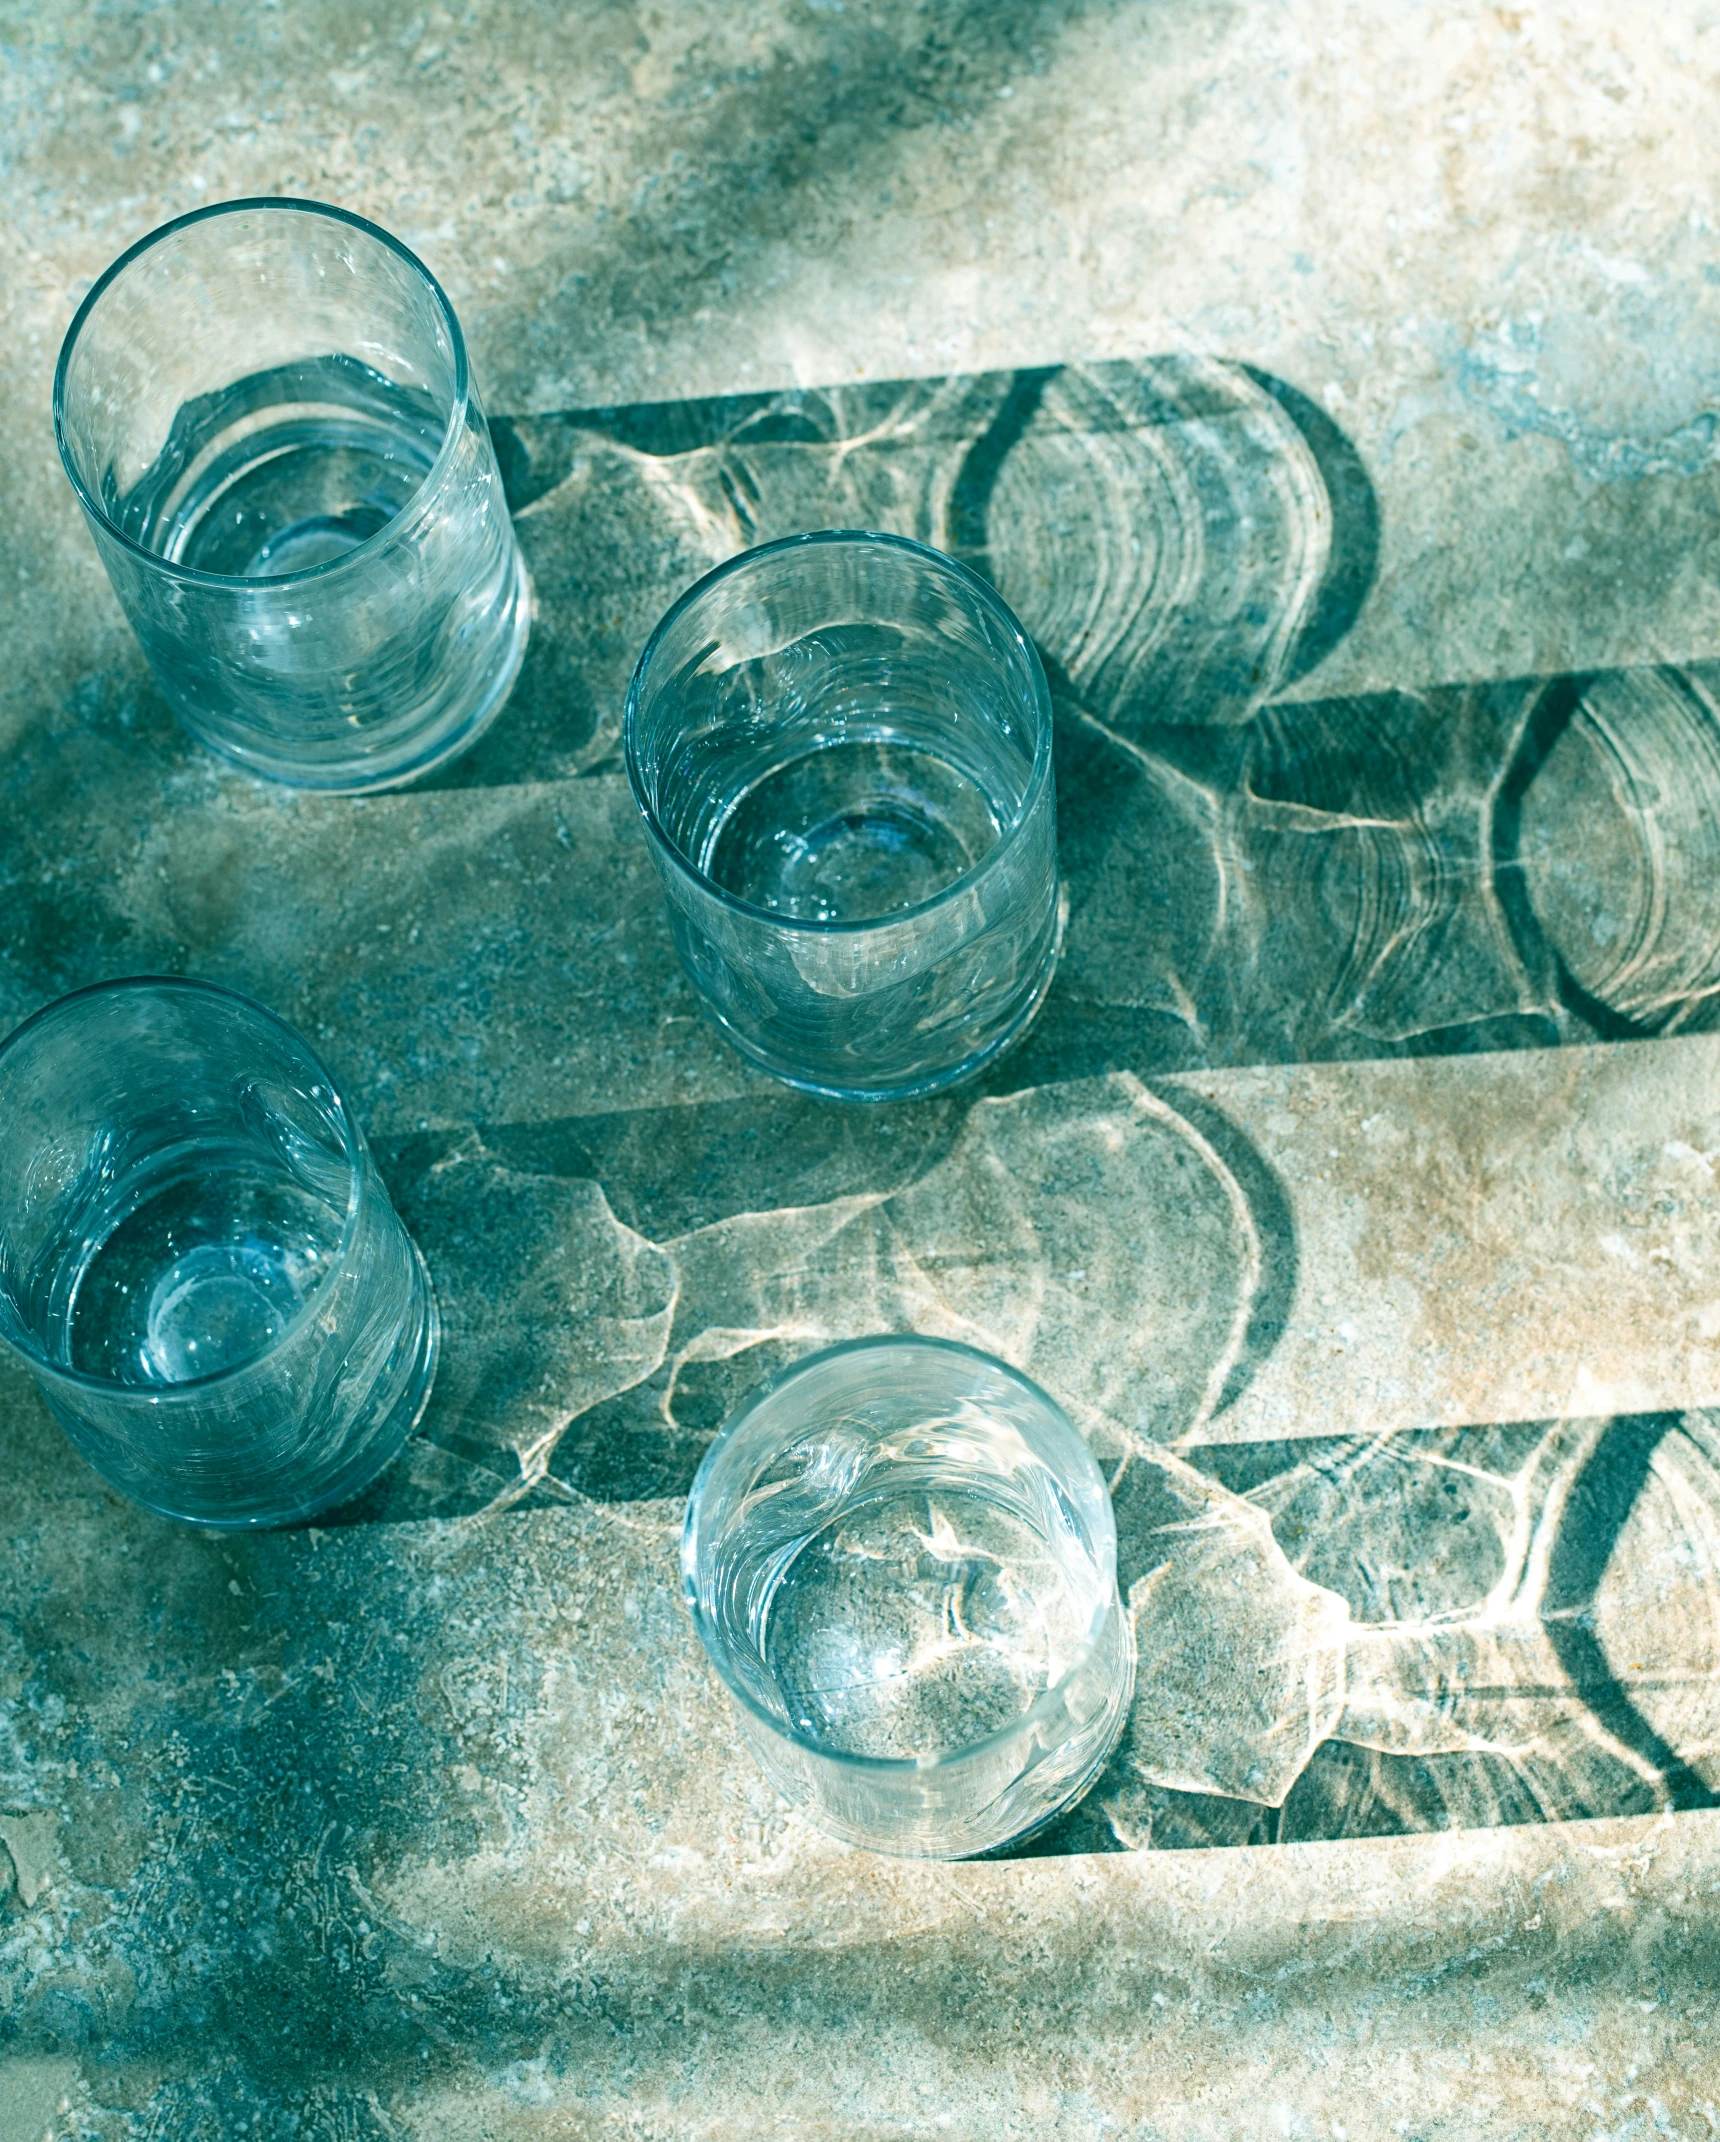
(1331, 390)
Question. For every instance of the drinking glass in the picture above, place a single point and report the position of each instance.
(841, 747)
(266, 413)
(901, 1559)
(198, 1262)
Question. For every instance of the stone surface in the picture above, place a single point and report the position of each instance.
(1329, 388)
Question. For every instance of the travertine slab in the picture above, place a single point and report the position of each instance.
(1332, 389)
(459, 1808)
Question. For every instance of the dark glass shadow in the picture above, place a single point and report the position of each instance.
(1183, 537)
(1252, 877)
(1485, 1682)
(612, 1287)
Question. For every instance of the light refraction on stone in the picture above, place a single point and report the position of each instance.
(1353, 1193)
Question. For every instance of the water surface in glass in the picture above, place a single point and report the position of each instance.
(190, 1268)
(283, 470)
(856, 828)
(933, 1605)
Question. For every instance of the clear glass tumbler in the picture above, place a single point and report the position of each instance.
(902, 1561)
(266, 413)
(198, 1262)
(841, 745)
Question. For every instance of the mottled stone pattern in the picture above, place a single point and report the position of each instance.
(1330, 390)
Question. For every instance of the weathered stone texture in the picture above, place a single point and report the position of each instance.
(1331, 389)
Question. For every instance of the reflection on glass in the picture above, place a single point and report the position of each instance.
(901, 1560)
(198, 1262)
(266, 413)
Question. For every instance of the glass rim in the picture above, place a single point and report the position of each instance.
(901, 1766)
(357, 1157)
(283, 203)
(1038, 777)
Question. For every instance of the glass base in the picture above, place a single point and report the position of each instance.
(1084, 1780)
(453, 734)
(957, 1074)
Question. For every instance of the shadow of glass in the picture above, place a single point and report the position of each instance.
(1459, 1628)
(1499, 865)
(1606, 838)
(1132, 1255)
(1521, 863)
(1250, 879)
(1353, 550)
(1183, 537)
